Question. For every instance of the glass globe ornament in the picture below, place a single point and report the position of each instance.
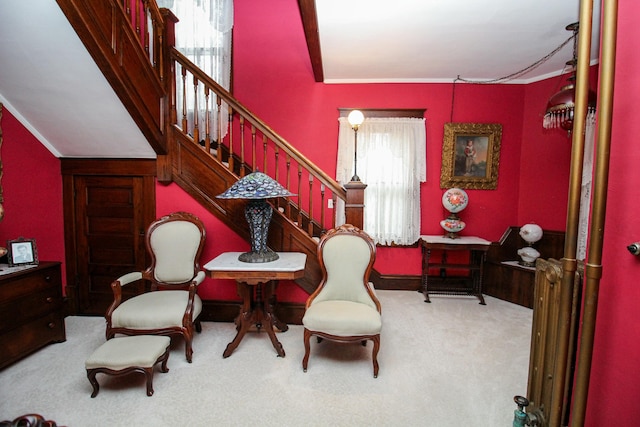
(528, 256)
(452, 226)
(530, 233)
(454, 200)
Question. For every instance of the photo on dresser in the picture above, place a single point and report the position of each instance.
(22, 252)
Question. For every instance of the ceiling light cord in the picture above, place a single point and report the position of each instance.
(518, 73)
(453, 97)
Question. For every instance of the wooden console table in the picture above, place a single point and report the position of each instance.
(445, 284)
(256, 285)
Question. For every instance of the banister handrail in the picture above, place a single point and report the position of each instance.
(216, 122)
(146, 36)
(233, 141)
(333, 185)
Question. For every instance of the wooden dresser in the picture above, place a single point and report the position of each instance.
(31, 311)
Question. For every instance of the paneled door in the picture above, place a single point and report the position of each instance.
(110, 215)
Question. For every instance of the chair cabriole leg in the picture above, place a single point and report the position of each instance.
(374, 355)
(307, 349)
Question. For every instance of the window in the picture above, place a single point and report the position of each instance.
(203, 35)
(392, 162)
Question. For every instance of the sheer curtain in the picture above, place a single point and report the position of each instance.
(203, 34)
(392, 162)
(585, 190)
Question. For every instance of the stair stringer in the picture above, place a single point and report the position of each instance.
(203, 177)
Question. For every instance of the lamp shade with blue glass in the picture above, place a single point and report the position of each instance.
(257, 187)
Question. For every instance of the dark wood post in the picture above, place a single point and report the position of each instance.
(168, 40)
(354, 207)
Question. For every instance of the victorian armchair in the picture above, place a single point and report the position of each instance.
(171, 306)
(344, 307)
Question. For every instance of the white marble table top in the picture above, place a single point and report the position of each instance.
(228, 261)
(460, 240)
(517, 264)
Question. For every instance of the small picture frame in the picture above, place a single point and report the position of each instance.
(22, 251)
(471, 155)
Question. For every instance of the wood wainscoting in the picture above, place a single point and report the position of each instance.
(504, 278)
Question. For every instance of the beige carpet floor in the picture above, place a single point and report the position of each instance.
(449, 363)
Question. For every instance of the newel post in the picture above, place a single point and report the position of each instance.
(354, 207)
(168, 40)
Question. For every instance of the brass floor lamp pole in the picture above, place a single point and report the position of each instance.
(593, 267)
(569, 262)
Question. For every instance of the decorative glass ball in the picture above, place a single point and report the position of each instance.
(452, 225)
(528, 255)
(455, 199)
(531, 233)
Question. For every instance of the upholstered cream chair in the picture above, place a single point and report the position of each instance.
(171, 306)
(344, 307)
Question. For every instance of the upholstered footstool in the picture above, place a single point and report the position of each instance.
(122, 355)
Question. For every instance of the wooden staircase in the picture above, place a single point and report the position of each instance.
(132, 42)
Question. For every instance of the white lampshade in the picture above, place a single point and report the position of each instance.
(531, 233)
(355, 118)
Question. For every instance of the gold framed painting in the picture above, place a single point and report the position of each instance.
(471, 155)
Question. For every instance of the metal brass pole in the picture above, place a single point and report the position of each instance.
(569, 263)
(593, 267)
(355, 176)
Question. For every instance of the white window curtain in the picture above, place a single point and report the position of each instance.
(203, 34)
(392, 162)
(585, 191)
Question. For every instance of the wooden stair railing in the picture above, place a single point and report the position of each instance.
(248, 144)
(125, 39)
(226, 138)
(132, 42)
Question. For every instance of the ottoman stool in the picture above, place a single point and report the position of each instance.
(122, 355)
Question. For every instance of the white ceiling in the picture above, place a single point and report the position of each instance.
(50, 83)
(438, 40)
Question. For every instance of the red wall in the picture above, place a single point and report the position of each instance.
(220, 238)
(615, 377)
(273, 77)
(545, 159)
(171, 198)
(32, 190)
(544, 162)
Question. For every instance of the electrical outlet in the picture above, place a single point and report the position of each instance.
(330, 203)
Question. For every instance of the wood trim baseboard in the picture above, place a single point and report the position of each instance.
(396, 282)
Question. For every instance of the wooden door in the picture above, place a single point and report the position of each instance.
(109, 216)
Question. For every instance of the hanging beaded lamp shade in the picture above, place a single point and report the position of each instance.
(561, 105)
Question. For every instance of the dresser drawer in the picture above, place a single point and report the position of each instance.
(30, 336)
(22, 309)
(28, 282)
